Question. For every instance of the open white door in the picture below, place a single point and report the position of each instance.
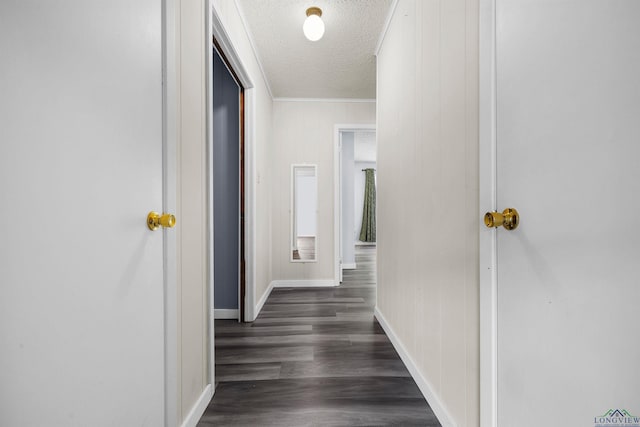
(568, 159)
(340, 207)
(81, 294)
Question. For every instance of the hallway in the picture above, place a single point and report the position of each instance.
(314, 357)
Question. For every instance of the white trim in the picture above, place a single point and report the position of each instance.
(351, 266)
(198, 409)
(387, 24)
(250, 217)
(356, 100)
(337, 129)
(225, 313)
(263, 299)
(230, 52)
(303, 283)
(210, 21)
(428, 391)
(253, 47)
(487, 202)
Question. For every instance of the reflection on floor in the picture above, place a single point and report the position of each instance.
(306, 249)
(314, 357)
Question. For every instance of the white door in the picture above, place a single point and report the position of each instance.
(341, 207)
(568, 159)
(81, 282)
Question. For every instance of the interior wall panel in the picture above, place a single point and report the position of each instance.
(428, 194)
(191, 215)
(303, 132)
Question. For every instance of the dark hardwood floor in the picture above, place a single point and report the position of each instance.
(314, 357)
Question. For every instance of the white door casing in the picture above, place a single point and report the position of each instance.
(561, 296)
(81, 301)
(217, 30)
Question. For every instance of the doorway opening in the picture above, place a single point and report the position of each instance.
(355, 155)
(228, 172)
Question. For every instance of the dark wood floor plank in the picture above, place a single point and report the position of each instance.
(249, 371)
(369, 401)
(356, 351)
(315, 357)
(347, 327)
(256, 342)
(248, 328)
(272, 321)
(338, 367)
(235, 355)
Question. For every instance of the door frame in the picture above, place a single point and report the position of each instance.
(487, 202)
(248, 120)
(337, 192)
(170, 204)
(241, 184)
(215, 30)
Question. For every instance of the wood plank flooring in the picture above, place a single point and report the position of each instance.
(314, 357)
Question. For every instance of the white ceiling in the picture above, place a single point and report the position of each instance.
(340, 65)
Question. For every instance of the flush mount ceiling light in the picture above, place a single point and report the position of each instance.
(313, 26)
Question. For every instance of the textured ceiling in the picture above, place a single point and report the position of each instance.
(340, 65)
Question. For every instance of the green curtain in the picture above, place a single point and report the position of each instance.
(368, 230)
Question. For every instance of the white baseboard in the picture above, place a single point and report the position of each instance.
(303, 283)
(425, 387)
(263, 299)
(225, 313)
(349, 266)
(198, 409)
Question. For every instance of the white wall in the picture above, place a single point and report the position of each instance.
(303, 132)
(191, 46)
(192, 375)
(348, 207)
(428, 196)
(365, 145)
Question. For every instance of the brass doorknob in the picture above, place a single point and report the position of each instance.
(509, 219)
(155, 220)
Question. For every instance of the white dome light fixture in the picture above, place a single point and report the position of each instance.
(313, 26)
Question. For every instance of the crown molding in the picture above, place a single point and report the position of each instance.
(387, 24)
(253, 46)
